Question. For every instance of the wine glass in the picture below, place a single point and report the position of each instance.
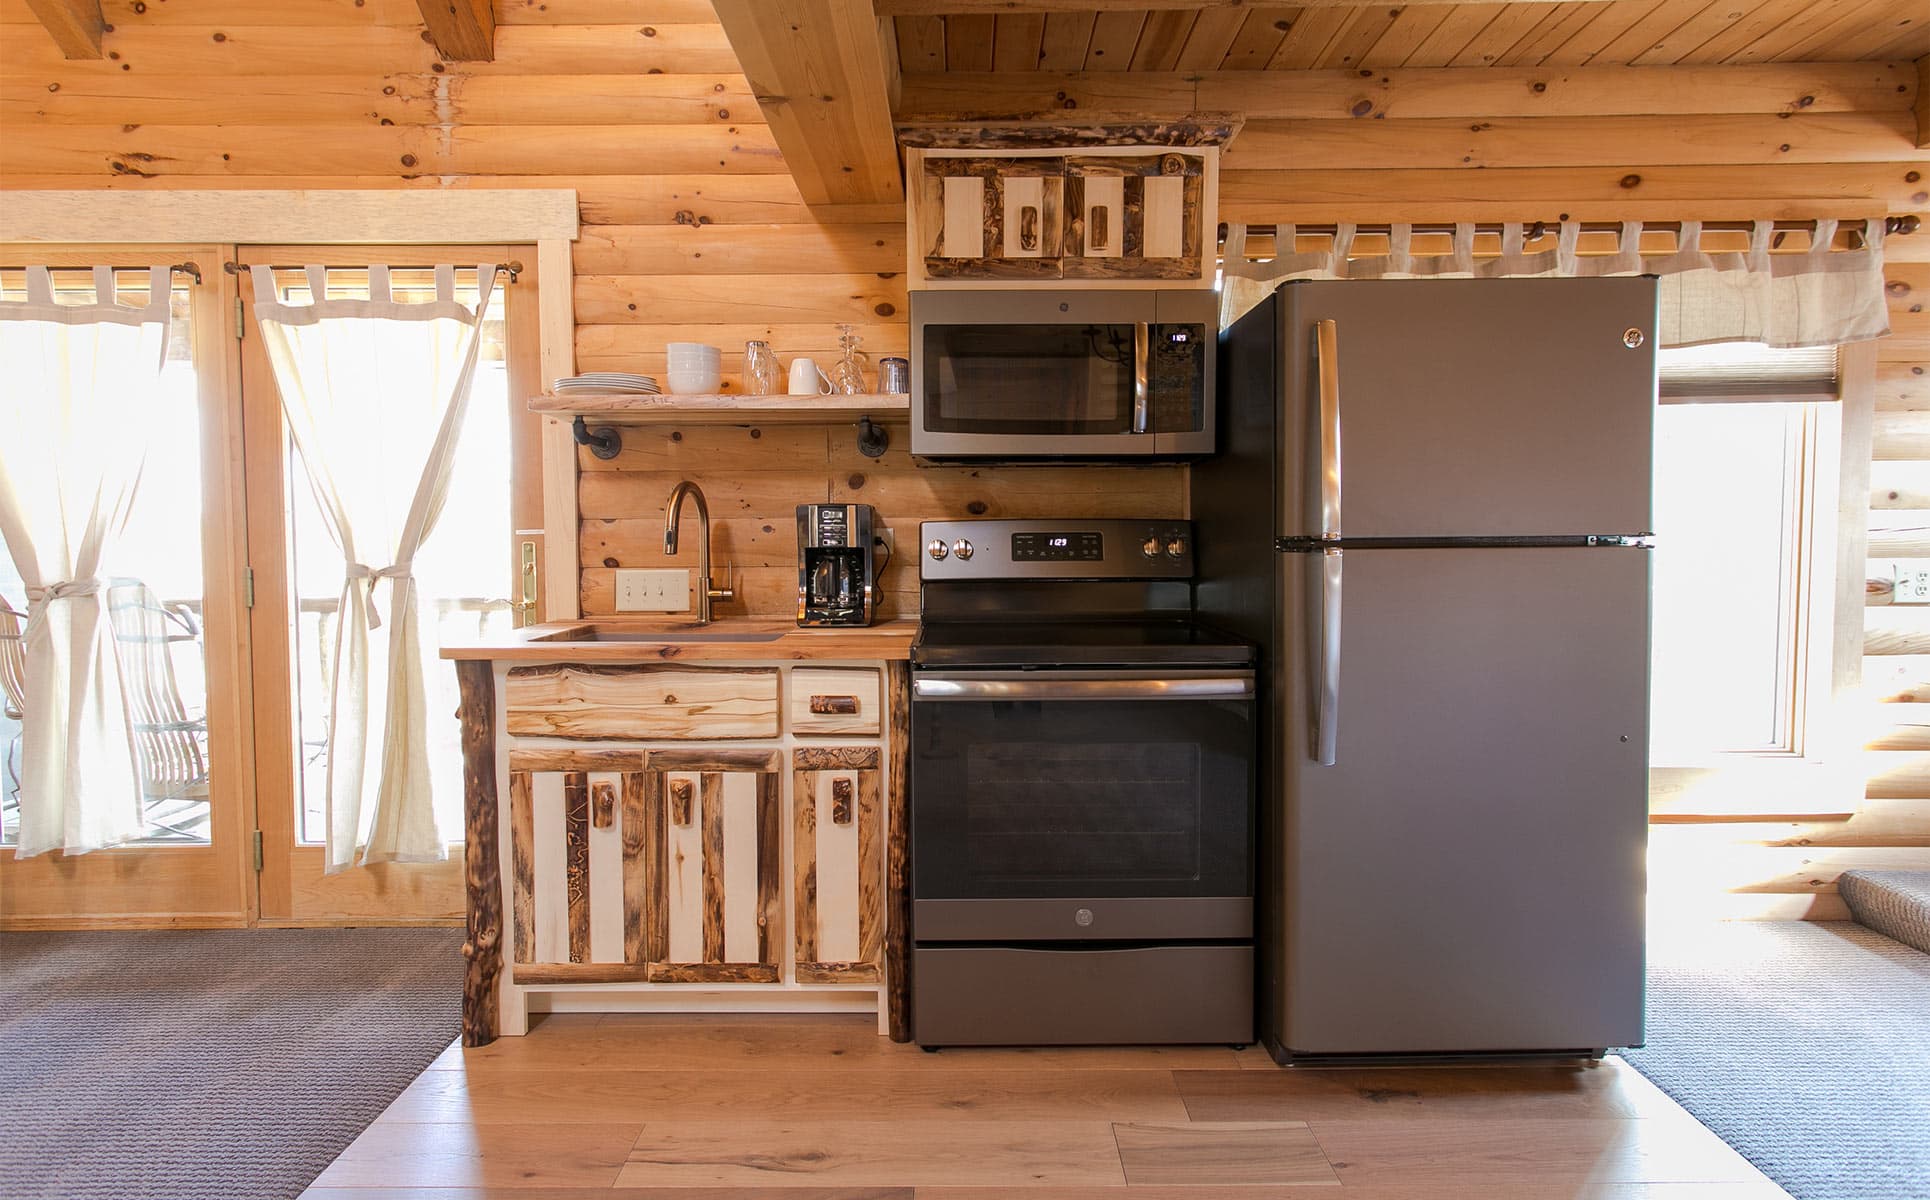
(847, 377)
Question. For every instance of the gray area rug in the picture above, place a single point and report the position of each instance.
(208, 1064)
(1805, 1045)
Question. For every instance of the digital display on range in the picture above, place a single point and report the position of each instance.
(1057, 547)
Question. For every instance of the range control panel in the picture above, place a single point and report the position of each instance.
(1089, 548)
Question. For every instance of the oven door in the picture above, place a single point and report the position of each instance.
(1082, 805)
(1062, 374)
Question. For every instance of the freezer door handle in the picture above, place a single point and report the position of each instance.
(1326, 659)
(1142, 376)
(1326, 358)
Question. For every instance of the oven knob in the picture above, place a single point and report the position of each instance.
(962, 548)
(1176, 548)
(937, 548)
(1150, 547)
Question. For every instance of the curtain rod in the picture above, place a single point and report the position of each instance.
(1895, 226)
(192, 270)
(514, 267)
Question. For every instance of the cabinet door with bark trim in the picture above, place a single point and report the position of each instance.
(711, 860)
(1134, 217)
(838, 848)
(571, 815)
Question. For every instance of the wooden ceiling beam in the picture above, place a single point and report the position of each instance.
(463, 30)
(941, 8)
(825, 73)
(75, 25)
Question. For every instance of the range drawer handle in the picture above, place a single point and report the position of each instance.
(1218, 687)
(846, 705)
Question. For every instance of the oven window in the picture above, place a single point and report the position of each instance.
(1061, 380)
(1039, 799)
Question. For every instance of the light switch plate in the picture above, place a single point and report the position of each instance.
(655, 590)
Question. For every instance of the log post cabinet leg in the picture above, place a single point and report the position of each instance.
(703, 874)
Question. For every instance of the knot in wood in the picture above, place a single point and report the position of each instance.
(1629, 181)
(1172, 164)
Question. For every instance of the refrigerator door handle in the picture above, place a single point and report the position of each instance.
(1142, 375)
(1326, 729)
(1326, 357)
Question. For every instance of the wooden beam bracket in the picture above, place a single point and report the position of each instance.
(462, 30)
(76, 25)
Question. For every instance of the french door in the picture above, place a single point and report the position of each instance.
(175, 601)
(471, 574)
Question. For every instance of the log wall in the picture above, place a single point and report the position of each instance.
(694, 231)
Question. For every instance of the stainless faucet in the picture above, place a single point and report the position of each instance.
(673, 512)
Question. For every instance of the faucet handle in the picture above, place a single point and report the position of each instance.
(727, 592)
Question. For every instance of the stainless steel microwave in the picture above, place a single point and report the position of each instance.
(1063, 374)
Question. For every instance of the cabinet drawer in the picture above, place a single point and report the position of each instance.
(641, 702)
(840, 702)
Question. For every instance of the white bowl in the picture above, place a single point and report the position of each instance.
(694, 380)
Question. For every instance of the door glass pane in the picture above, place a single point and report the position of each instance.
(1063, 380)
(154, 597)
(462, 570)
(1727, 547)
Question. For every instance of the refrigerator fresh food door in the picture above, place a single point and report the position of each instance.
(1468, 874)
(1467, 407)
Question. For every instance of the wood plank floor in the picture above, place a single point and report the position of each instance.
(822, 1108)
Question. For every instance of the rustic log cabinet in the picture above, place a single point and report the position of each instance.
(701, 836)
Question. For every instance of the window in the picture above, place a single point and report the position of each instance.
(1746, 478)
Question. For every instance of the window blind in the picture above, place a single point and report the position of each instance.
(1745, 371)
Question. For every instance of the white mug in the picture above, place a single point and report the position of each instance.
(807, 380)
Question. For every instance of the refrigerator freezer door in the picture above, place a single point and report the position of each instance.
(1468, 875)
(1469, 407)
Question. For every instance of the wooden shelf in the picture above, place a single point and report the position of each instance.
(630, 409)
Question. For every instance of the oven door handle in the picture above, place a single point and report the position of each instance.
(1208, 687)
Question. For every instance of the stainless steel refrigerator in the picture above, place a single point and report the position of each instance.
(1431, 506)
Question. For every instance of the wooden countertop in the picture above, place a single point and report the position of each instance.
(738, 639)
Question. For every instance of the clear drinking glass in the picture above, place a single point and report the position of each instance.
(761, 374)
(847, 377)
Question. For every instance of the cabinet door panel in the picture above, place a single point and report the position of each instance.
(569, 897)
(711, 862)
(838, 849)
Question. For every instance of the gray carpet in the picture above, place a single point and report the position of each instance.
(1805, 1045)
(1894, 903)
(205, 1065)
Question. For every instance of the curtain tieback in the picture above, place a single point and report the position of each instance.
(39, 598)
(369, 576)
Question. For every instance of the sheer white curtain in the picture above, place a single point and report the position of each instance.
(78, 388)
(1820, 296)
(375, 391)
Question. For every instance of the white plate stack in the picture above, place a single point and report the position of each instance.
(606, 382)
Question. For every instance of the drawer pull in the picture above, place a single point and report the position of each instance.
(603, 804)
(834, 704)
(1028, 228)
(841, 802)
(680, 801)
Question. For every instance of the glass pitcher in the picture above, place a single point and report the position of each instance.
(761, 374)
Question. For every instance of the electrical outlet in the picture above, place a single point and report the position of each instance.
(1912, 582)
(660, 590)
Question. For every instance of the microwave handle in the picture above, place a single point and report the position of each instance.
(1142, 375)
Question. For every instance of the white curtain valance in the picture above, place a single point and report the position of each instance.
(375, 392)
(78, 392)
(1815, 297)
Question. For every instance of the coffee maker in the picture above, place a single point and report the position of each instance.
(836, 574)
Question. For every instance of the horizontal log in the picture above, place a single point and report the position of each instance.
(1692, 859)
(1898, 774)
(1409, 93)
(729, 299)
(1902, 387)
(1618, 191)
(1899, 533)
(669, 48)
(640, 702)
(1900, 435)
(201, 150)
(765, 593)
(575, 760)
(818, 339)
(710, 199)
(740, 250)
(1897, 629)
(801, 450)
(1897, 679)
(1880, 824)
(1900, 485)
(1574, 141)
(764, 761)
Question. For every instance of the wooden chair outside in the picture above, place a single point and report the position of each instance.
(169, 739)
(13, 692)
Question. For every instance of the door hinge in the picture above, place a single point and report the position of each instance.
(239, 325)
(248, 586)
(258, 858)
